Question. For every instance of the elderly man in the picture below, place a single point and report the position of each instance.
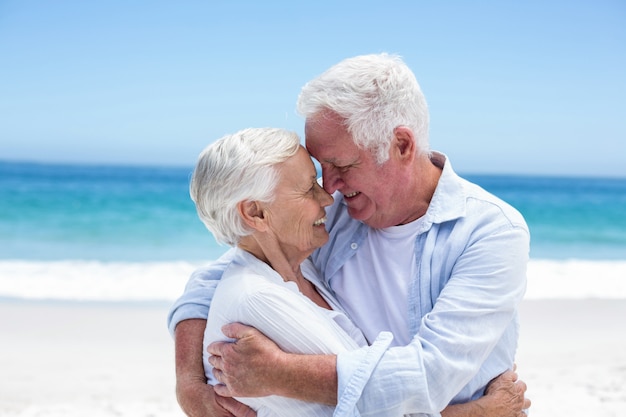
(429, 266)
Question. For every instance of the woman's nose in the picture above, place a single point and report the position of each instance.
(324, 198)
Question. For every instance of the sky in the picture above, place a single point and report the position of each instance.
(513, 87)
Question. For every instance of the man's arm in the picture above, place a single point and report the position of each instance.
(186, 322)
(194, 395)
(258, 358)
(195, 301)
(313, 377)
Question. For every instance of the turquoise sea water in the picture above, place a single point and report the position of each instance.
(114, 213)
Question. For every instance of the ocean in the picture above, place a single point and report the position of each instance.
(104, 232)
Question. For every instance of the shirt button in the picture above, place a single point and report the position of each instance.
(354, 246)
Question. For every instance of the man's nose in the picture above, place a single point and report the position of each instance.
(331, 180)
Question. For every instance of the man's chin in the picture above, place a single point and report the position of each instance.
(361, 215)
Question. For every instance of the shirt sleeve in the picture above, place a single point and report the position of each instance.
(196, 299)
(469, 318)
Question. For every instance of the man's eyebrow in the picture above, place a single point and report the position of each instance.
(338, 163)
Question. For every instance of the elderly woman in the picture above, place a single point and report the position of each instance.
(257, 191)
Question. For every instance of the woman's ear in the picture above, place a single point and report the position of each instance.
(252, 214)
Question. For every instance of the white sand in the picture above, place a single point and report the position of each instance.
(73, 359)
(108, 359)
(572, 355)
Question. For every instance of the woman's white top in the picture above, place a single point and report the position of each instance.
(252, 293)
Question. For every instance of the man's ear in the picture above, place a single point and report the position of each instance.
(404, 143)
(252, 214)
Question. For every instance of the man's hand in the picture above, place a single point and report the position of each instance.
(245, 368)
(254, 366)
(195, 397)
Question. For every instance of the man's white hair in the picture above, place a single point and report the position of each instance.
(373, 94)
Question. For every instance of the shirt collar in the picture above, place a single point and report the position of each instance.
(449, 200)
(245, 258)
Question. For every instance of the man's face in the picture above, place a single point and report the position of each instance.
(368, 188)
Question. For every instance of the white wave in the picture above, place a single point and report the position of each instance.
(576, 279)
(94, 280)
(165, 281)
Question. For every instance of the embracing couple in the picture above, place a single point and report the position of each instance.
(389, 289)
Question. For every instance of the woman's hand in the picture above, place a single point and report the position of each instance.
(504, 397)
(198, 399)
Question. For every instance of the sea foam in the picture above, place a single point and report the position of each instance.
(165, 281)
(94, 280)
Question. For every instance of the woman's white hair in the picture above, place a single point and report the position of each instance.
(373, 94)
(238, 167)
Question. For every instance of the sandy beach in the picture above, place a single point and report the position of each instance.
(116, 359)
(572, 354)
(86, 359)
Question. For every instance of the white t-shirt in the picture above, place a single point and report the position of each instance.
(373, 285)
(252, 293)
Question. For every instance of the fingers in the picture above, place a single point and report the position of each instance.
(222, 390)
(215, 360)
(219, 375)
(237, 330)
(232, 331)
(521, 386)
(527, 403)
(511, 374)
(217, 348)
(506, 379)
(235, 407)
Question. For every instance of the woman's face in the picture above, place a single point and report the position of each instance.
(296, 218)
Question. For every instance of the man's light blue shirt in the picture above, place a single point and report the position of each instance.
(471, 259)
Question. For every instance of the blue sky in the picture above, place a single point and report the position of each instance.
(533, 87)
